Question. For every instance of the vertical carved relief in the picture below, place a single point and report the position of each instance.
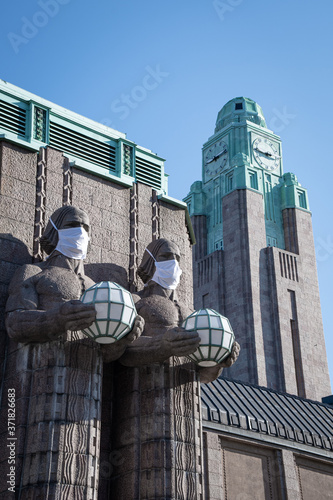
(67, 196)
(40, 204)
(62, 441)
(279, 470)
(133, 257)
(298, 474)
(187, 456)
(269, 476)
(155, 216)
(224, 472)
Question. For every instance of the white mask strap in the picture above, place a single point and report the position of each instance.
(146, 249)
(53, 224)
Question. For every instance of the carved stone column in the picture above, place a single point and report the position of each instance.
(62, 435)
(157, 432)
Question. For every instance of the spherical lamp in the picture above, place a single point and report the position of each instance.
(216, 336)
(115, 312)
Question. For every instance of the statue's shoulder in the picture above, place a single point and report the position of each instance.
(23, 274)
(22, 292)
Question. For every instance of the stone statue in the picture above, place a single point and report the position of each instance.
(60, 369)
(157, 390)
(43, 302)
(157, 303)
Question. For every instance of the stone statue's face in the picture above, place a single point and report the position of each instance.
(168, 251)
(78, 219)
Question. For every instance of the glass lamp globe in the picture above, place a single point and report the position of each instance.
(216, 336)
(115, 312)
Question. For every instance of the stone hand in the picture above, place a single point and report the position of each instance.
(180, 342)
(213, 372)
(138, 327)
(44, 326)
(156, 349)
(113, 351)
(232, 358)
(74, 315)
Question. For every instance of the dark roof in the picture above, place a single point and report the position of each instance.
(260, 413)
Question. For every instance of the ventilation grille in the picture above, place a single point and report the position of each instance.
(148, 173)
(82, 146)
(12, 118)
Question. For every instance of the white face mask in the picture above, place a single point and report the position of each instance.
(167, 273)
(72, 242)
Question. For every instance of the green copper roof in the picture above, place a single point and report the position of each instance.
(232, 159)
(33, 122)
(240, 109)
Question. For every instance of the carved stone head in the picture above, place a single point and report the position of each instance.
(63, 218)
(161, 249)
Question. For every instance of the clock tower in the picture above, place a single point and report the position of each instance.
(254, 260)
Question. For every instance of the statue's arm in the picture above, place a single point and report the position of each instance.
(159, 347)
(113, 351)
(43, 326)
(26, 323)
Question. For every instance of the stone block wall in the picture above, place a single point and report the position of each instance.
(123, 221)
(209, 282)
(242, 469)
(297, 311)
(244, 236)
(270, 296)
(18, 169)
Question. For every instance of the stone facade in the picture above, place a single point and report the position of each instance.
(65, 438)
(270, 296)
(92, 430)
(255, 262)
(246, 470)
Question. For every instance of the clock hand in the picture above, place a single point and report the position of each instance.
(217, 156)
(267, 154)
(221, 153)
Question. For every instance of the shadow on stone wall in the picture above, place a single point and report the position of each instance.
(13, 250)
(107, 272)
(13, 254)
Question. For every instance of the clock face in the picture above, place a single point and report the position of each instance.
(215, 158)
(266, 154)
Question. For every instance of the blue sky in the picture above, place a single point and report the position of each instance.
(161, 71)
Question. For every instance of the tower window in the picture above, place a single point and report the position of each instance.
(239, 105)
(229, 183)
(253, 179)
(302, 199)
(271, 242)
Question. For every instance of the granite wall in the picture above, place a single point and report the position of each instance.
(123, 221)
